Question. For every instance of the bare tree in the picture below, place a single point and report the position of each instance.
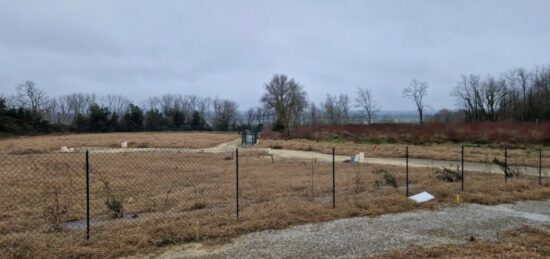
(366, 102)
(286, 97)
(336, 109)
(416, 91)
(119, 104)
(225, 113)
(343, 106)
(31, 97)
(250, 116)
(332, 111)
(314, 114)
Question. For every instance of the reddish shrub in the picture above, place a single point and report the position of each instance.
(508, 132)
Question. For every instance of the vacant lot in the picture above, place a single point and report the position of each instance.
(39, 144)
(144, 200)
(452, 152)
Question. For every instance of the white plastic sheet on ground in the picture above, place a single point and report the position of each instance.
(422, 197)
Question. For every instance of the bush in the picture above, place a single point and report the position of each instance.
(114, 204)
(55, 211)
(448, 175)
(388, 178)
(506, 169)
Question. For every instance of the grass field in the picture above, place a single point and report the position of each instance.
(528, 156)
(169, 198)
(525, 242)
(38, 144)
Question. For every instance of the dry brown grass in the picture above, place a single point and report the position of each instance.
(451, 152)
(525, 242)
(38, 144)
(183, 197)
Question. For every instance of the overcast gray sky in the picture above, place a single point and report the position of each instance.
(231, 48)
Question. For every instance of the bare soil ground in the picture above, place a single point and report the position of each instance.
(39, 144)
(170, 198)
(451, 152)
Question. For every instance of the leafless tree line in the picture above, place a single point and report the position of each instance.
(518, 94)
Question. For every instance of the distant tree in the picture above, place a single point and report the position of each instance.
(250, 117)
(314, 114)
(287, 98)
(366, 102)
(80, 123)
(416, 91)
(115, 103)
(332, 110)
(448, 116)
(336, 109)
(98, 120)
(5, 123)
(114, 123)
(133, 119)
(197, 121)
(225, 113)
(178, 119)
(154, 120)
(31, 97)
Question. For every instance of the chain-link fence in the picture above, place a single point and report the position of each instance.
(144, 197)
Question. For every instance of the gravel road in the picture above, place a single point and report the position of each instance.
(365, 236)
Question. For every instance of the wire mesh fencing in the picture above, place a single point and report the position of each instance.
(174, 195)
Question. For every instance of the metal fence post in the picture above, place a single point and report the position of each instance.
(333, 178)
(237, 180)
(505, 163)
(540, 166)
(407, 169)
(462, 166)
(87, 196)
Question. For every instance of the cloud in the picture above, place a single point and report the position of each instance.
(230, 48)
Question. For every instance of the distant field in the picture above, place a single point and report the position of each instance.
(38, 144)
(483, 141)
(496, 133)
(528, 156)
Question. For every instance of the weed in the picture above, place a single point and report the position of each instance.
(390, 179)
(114, 204)
(358, 180)
(54, 211)
(506, 169)
(448, 175)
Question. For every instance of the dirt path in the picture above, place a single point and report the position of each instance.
(413, 162)
(365, 236)
(297, 154)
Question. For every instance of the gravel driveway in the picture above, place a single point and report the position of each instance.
(364, 236)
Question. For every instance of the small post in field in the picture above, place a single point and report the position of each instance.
(87, 196)
(237, 180)
(407, 169)
(462, 166)
(505, 163)
(540, 166)
(333, 178)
